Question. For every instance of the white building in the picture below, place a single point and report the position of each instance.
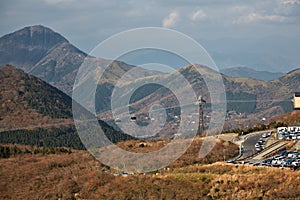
(282, 129)
(294, 128)
(297, 101)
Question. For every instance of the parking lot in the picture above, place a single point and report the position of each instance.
(248, 146)
(271, 151)
(289, 133)
(260, 144)
(283, 159)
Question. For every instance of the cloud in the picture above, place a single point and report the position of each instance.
(240, 8)
(54, 2)
(85, 23)
(256, 17)
(290, 2)
(171, 20)
(198, 15)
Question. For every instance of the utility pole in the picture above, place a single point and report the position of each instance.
(201, 101)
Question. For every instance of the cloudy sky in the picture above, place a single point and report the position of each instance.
(262, 34)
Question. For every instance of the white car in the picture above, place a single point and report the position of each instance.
(264, 135)
(270, 133)
(296, 163)
(280, 162)
(274, 162)
(258, 149)
(292, 155)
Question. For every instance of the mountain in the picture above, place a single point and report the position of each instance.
(46, 54)
(28, 101)
(248, 100)
(43, 53)
(41, 114)
(26, 47)
(53, 59)
(271, 53)
(239, 72)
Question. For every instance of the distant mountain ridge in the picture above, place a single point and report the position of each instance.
(253, 99)
(246, 72)
(58, 61)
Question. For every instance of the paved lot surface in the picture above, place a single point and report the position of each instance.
(264, 153)
(249, 144)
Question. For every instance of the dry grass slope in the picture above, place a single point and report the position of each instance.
(80, 176)
(292, 118)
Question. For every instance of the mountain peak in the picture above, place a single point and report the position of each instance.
(25, 47)
(38, 28)
(36, 34)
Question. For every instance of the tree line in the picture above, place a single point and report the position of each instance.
(56, 137)
(8, 151)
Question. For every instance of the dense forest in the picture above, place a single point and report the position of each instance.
(55, 137)
(7, 151)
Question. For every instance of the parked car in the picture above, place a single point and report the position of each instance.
(294, 137)
(287, 162)
(292, 154)
(282, 137)
(258, 149)
(267, 161)
(283, 153)
(232, 162)
(270, 133)
(275, 162)
(278, 157)
(261, 141)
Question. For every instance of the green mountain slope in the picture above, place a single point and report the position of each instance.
(27, 100)
(36, 113)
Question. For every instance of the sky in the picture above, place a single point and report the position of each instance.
(260, 34)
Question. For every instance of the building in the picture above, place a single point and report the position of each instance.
(297, 101)
(294, 128)
(290, 128)
(282, 129)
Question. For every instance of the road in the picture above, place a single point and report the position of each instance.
(249, 144)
